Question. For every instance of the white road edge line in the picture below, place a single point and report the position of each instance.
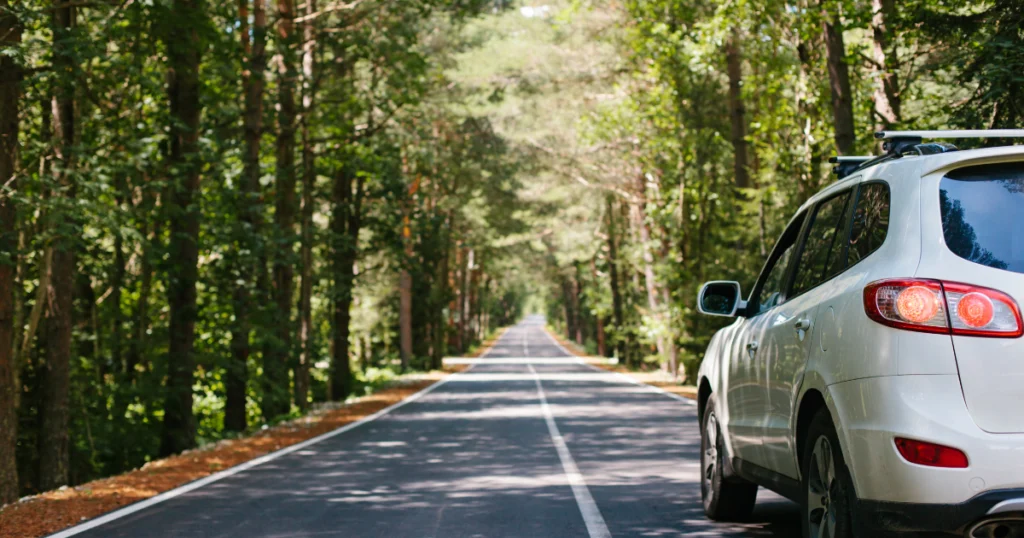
(624, 377)
(181, 490)
(592, 517)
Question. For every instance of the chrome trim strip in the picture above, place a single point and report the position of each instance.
(1009, 505)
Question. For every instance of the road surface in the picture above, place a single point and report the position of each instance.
(529, 442)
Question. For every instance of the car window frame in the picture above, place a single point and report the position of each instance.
(754, 300)
(853, 191)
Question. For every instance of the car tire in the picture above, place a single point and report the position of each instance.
(828, 494)
(725, 498)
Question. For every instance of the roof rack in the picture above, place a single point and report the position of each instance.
(845, 165)
(898, 144)
(952, 134)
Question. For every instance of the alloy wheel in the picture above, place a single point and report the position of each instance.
(709, 459)
(822, 491)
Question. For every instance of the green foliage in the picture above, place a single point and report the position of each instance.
(578, 162)
(657, 136)
(381, 111)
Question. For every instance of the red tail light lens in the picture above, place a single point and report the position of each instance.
(931, 454)
(975, 310)
(917, 304)
(943, 307)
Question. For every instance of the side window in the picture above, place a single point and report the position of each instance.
(870, 221)
(770, 290)
(822, 255)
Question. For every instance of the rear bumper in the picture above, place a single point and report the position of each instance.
(871, 412)
(896, 519)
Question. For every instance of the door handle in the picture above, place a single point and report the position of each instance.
(752, 348)
(803, 324)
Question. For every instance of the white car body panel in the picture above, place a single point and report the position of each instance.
(880, 382)
(991, 369)
(785, 357)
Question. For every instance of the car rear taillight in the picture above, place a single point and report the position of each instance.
(931, 454)
(943, 307)
(982, 311)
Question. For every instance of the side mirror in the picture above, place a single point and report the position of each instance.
(720, 298)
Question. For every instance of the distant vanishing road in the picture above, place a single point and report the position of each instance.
(528, 442)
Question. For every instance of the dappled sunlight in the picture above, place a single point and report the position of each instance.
(476, 458)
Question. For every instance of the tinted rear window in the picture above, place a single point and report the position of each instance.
(983, 214)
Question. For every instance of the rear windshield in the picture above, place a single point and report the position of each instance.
(983, 214)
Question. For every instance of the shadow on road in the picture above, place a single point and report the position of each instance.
(473, 459)
(639, 452)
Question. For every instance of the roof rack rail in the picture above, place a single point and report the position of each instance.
(846, 165)
(900, 143)
(952, 134)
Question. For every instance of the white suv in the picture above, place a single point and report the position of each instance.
(875, 374)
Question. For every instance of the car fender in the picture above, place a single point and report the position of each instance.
(813, 381)
(718, 351)
(712, 366)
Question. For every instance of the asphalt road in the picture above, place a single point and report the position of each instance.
(527, 443)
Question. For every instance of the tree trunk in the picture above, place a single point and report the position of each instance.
(308, 184)
(405, 316)
(671, 350)
(602, 348)
(577, 295)
(485, 292)
(116, 285)
(249, 211)
(345, 225)
(638, 212)
(613, 278)
(183, 58)
(141, 321)
(650, 281)
(54, 412)
(275, 361)
(464, 312)
(808, 183)
(440, 295)
(839, 81)
(567, 307)
(886, 96)
(405, 278)
(737, 113)
(456, 307)
(10, 97)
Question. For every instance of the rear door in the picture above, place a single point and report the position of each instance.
(786, 342)
(973, 220)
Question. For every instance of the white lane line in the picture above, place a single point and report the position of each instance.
(510, 360)
(596, 526)
(176, 492)
(624, 377)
